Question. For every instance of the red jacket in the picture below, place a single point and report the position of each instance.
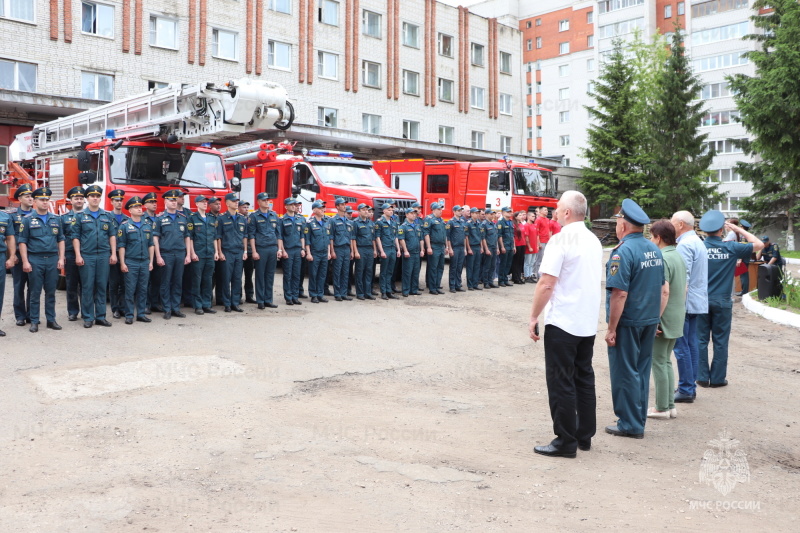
(543, 225)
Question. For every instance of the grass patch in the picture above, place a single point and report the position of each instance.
(794, 255)
(778, 303)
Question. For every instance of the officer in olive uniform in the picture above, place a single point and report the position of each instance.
(409, 235)
(507, 248)
(41, 247)
(434, 230)
(72, 273)
(292, 246)
(366, 252)
(205, 250)
(716, 324)
(634, 280)
(476, 250)
(388, 248)
(232, 235)
(263, 232)
(136, 251)
(318, 240)
(154, 282)
(456, 239)
(491, 234)
(172, 252)
(22, 299)
(8, 249)
(94, 238)
(116, 283)
(341, 229)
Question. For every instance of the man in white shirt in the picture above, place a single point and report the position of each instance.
(569, 292)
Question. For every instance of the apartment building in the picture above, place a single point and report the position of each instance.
(383, 78)
(566, 41)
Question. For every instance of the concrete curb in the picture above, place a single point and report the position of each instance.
(792, 261)
(779, 316)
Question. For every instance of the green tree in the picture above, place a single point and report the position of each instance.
(769, 103)
(678, 168)
(615, 159)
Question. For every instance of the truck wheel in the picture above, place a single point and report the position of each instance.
(286, 122)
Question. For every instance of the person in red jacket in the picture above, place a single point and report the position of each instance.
(543, 225)
(532, 246)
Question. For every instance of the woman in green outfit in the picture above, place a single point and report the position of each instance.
(662, 233)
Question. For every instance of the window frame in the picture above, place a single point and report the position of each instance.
(473, 47)
(439, 84)
(406, 77)
(561, 47)
(667, 11)
(563, 117)
(322, 115)
(505, 140)
(408, 126)
(323, 12)
(405, 34)
(508, 107)
(365, 14)
(439, 45)
(321, 55)
(538, 43)
(563, 25)
(476, 138)
(563, 140)
(95, 5)
(271, 45)
(271, 7)
(370, 118)
(474, 91)
(447, 130)
(97, 76)
(15, 65)
(509, 58)
(153, 31)
(564, 68)
(365, 64)
(7, 9)
(563, 93)
(215, 43)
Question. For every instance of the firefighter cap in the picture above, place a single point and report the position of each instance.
(317, 203)
(362, 206)
(116, 194)
(43, 192)
(262, 196)
(75, 191)
(634, 214)
(150, 197)
(171, 194)
(340, 201)
(712, 221)
(23, 189)
(436, 205)
(200, 198)
(133, 202)
(290, 201)
(231, 197)
(93, 189)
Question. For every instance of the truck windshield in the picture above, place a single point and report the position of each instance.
(166, 167)
(350, 175)
(530, 182)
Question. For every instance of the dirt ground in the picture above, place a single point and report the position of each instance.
(413, 415)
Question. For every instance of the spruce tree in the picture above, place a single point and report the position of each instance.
(769, 104)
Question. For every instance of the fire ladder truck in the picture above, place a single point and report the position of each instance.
(149, 142)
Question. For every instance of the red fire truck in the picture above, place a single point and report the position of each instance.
(489, 184)
(151, 142)
(308, 176)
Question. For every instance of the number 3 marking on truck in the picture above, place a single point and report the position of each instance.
(498, 202)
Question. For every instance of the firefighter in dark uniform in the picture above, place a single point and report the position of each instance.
(409, 235)
(172, 252)
(388, 248)
(771, 254)
(318, 241)
(248, 264)
(8, 249)
(154, 282)
(364, 233)
(507, 248)
(94, 238)
(341, 229)
(188, 269)
(263, 233)
(72, 273)
(491, 233)
(232, 235)
(435, 232)
(136, 251)
(292, 246)
(41, 247)
(205, 250)
(22, 299)
(634, 281)
(476, 250)
(456, 235)
(215, 208)
(116, 284)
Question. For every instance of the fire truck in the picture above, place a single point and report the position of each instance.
(487, 184)
(150, 142)
(308, 175)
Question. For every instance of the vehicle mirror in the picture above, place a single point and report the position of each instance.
(237, 170)
(236, 184)
(87, 178)
(84, 161)
(295, 190)
(555, 185)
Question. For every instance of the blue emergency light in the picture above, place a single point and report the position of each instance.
(329, 153)
(205, 145)
(110, 134)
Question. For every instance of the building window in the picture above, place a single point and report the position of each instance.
(563, 117)
(445, 45)
(712, 7)
(371, 23)
(715, 90)
(411, 82)
(622, 27)
(445, 90)
(538, 22)
(505, 144)
(411, 130)
(477, 140)
(281, 6)
(329, 12)
(446, 134)
(97, 19)
(476, 54)
(590, 17)
(328, 65)
(17, 9)
(225, 45)
(681, 8)
(529, 44)
(538, 42)
(538, 132)
(563, 140)
(505, 104)
(371, 124)
(538, 109)
(476, 97)
(722, 61)
(371, 74)
(607, 6)
(279, 55)
(727, 146)
(327, 117)
(156, 85)
(563, 70)
(563, 93)
(590, 65)
(163, 32)
(528, 24)
(668, 11)
(722, 33)
(17, 76)
(96, 86)
(563, 48)
(590, 41)
(719, 118)
(538, 87)
(411, 35)
(505, 63)
(590, 87)
(563, 25)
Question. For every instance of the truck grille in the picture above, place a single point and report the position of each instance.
(398, 204)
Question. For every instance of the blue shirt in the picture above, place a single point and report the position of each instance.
(637, 267)
(694, 255)
(722, 256)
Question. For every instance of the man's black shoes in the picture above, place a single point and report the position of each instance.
(614, 430)
(551, 451)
